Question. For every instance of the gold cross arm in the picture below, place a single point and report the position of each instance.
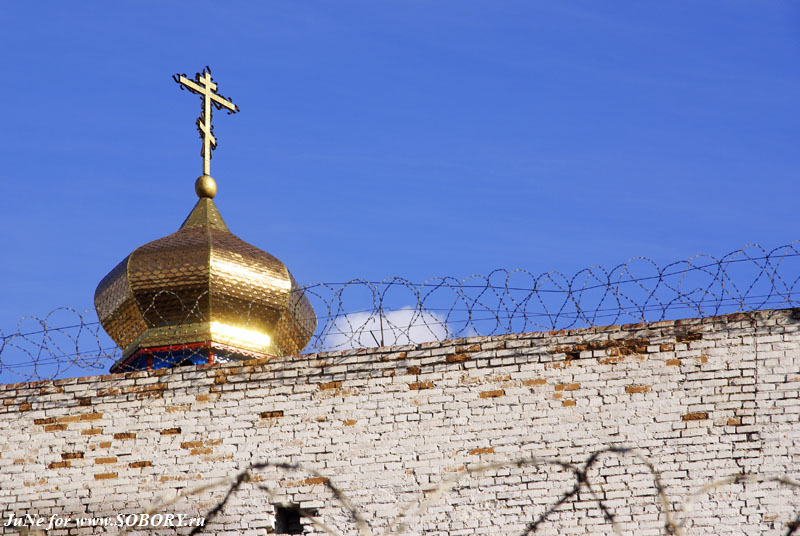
(218, 100)
(206, 134)
(204, 86)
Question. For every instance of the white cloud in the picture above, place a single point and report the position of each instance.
(402, 326)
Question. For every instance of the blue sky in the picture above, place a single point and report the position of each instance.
(406, 138)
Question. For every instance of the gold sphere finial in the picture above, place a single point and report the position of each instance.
(205, 186)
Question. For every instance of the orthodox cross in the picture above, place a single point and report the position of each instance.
(204, 86)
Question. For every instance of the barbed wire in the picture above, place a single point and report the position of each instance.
(397, 311)
(585, 484)
(675, 520)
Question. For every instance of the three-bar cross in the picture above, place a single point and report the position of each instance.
(204, 86)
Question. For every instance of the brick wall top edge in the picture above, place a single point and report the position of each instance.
(678, 325)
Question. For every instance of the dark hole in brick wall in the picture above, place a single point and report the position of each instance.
(287, 519)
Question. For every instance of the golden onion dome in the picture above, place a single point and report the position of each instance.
(202, 294)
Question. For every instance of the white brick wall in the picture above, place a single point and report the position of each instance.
(701, 399)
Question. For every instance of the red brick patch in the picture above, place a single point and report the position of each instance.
(49, 420)
(568, 386)
(492, 394)
(314, 480)
(418, 386)
(699, 416)
(537, 381)
(688, 337)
